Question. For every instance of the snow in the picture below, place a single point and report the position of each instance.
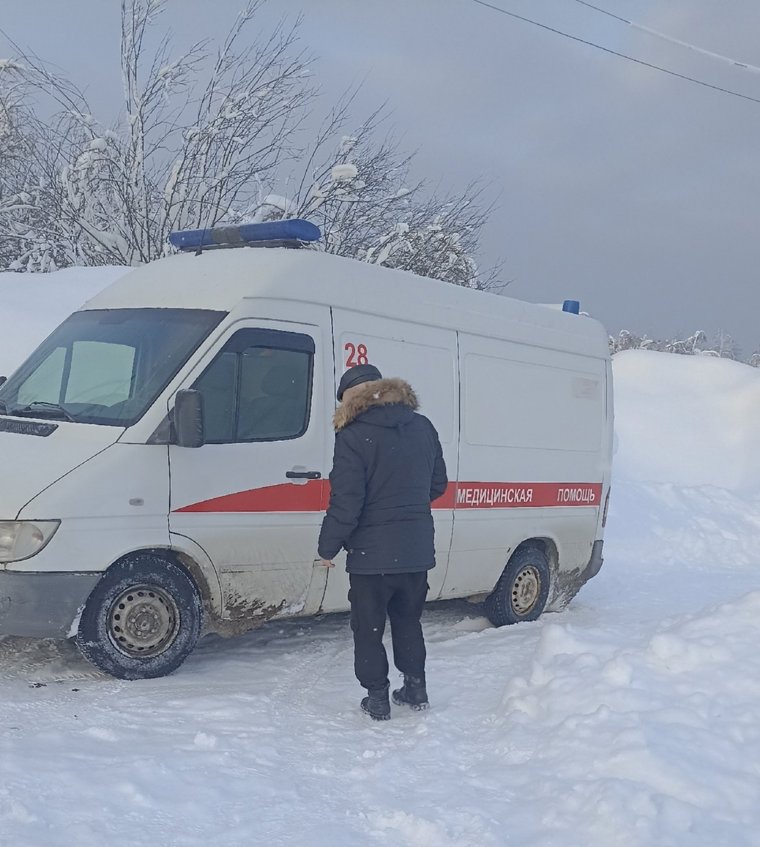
(343, 173)
(273, 206)
(631, 718)
(706, 410)
(34, 304)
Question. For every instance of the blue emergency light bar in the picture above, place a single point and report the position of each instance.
(290, 232)
(572, 306)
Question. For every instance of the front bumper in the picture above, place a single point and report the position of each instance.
(42, 605)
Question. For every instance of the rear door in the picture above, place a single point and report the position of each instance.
(533, 422)
(254, 494)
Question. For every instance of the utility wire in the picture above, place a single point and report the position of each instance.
(669, 38)
(615, 53)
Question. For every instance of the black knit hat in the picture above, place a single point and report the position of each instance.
(356, 376)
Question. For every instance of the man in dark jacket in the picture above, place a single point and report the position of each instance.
(387, 468)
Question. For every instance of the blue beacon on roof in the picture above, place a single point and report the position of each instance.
(290, 230)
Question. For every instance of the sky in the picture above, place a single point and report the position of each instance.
(618, 185)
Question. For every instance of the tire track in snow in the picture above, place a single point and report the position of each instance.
(43, 662)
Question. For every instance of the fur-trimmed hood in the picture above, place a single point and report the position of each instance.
(381, 392)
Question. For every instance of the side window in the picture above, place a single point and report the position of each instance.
(217, 385)
(274, 394)
(258, 388)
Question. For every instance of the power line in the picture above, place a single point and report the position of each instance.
(615, 52)
(745, 66)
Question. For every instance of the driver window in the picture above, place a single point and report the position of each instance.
(258, 388)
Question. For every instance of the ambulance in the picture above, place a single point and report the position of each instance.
(165, 452)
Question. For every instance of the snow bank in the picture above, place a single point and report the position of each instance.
(32, 305)
(687, 420)
(659, 738)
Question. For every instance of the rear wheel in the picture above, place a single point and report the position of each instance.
(142, 619)
(522, 590)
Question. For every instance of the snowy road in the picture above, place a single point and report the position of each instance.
(631, 718)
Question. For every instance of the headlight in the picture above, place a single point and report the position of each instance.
(24, 539)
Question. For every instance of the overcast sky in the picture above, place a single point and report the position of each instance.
(623, 187)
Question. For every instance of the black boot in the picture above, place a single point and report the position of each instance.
(376, 704)
(412, 693)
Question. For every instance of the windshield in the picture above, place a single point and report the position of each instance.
(106, 366)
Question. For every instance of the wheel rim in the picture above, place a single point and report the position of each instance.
(143, 621)
(526, 590)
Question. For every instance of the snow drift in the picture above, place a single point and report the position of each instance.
(687, 420)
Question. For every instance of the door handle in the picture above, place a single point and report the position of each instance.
(303, 475)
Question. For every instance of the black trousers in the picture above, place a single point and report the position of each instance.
(401, 598)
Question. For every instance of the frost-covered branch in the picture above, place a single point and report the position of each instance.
(206, 136)
(185, 153)
(723, 345)
(359, 191)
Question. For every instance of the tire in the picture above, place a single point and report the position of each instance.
(142, 620)
(522, 590)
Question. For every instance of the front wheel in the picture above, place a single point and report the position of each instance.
(142, 619)
(522, 590)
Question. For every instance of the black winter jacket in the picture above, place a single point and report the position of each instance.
(387, 468)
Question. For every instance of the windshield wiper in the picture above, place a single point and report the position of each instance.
(41, 409)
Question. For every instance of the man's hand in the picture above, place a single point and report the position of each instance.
(326, 563)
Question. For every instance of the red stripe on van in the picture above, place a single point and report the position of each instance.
(286, 497)
(315, 495)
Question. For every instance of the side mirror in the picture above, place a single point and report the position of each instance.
(188, 418)
(3, 380)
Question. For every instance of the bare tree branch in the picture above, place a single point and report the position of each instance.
(205, 136)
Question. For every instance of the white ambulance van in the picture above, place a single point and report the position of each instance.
(165, 452)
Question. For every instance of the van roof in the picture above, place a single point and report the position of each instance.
(222, 279)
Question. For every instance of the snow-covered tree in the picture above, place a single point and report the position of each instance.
(352, 185)
(690, 346)
(357, 188)
(208, 137)
(439, 240)
(724, 346)
(23, 238)
(186, 153)
(626, 340)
